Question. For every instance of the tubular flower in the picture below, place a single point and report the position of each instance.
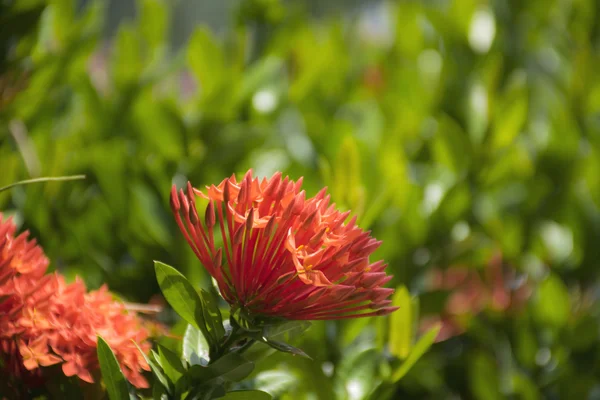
(45, 321)
(283, 255)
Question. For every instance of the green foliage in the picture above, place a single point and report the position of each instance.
(182, 296)
(467, 130)
(416, 353)
(116, 384)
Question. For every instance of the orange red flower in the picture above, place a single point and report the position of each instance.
(283, 255)
(471, 293)
(45, 321)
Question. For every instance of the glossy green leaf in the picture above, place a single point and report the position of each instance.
(157, 370)
(181, 295)
(195, 347)
(276, 382)
(116, 384)
(171, 363)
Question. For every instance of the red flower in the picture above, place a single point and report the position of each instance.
(285, 255)
(45, 321)
(35, 353)
(495, 290)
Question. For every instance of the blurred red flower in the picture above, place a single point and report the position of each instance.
(45, 321)
(286, 256)
(495, 290)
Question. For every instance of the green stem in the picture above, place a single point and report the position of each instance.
(43, 179)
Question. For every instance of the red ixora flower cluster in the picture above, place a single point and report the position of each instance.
(286, 256)
(496, 289)
(45, 321)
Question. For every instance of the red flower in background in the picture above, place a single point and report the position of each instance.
(284, 255)
(45, 321)
(471, 293)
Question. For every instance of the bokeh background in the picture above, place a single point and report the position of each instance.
(464, 133)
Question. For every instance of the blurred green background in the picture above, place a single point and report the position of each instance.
(464, 133)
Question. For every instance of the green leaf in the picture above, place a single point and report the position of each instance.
(247, 395)
(357, 370)
(153, 21)
(552, 303)
(156, 369)
(286, 348)
(483, 377)
(275, 382)
(417, 352)
(127, 61)
(288, 328)
(171, 363)
(401, 324)
(212, 316)
(206, 61)
(181, 295)
(116, 384)
(231, 367)
(216, 391)
(195, 347)
(159, 393)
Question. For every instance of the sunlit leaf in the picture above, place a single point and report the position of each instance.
(552, 304)
(171, 363)
(401, 330)
(195, 347)
(181, 295)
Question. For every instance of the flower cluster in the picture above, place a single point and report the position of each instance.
(283, 255)
(45, 321)
(471, 293)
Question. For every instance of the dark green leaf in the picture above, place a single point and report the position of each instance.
(231, 367)
(247, 395)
